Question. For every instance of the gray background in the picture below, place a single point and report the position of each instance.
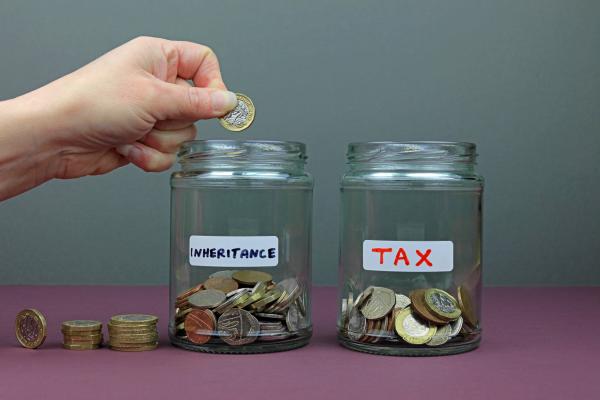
(519, 78)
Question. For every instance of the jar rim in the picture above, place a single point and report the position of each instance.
(242, 150)
(411, 152)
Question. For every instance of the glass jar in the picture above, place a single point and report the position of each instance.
(410, 255)
(240, 247)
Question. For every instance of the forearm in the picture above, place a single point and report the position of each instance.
(27, 158)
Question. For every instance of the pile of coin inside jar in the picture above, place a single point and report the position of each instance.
(241, 307)
(430, 317)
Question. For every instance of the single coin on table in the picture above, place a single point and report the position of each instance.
(241, 117)
(30, 328)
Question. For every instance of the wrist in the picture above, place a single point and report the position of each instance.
(27, 152)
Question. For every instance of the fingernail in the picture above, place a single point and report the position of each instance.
(129, 151)
(223, 101)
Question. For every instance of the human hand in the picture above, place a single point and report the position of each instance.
(133, 104)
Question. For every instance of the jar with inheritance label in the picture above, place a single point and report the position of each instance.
(240, 247)
(410, 256)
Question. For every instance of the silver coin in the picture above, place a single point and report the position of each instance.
(270, 316)
(236, 291)
(402, 301)
(456, 326)
(381, 302)
(223, 274)
(238, 327)
(293, 290)
(441, 336)
(228, 304)
(292, 319)
(357, 325)
(364, 296)
(238, 115)
(208, 298)
(274, 336)
(350, 302)
(301, 303)
(270, 326)
(344, 313)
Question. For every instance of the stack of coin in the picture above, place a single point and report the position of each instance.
(82, 334)
(429, 317)
(133, 332)
(240, 307)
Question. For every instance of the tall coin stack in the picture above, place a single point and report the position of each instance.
(82, 334)
(133, 332)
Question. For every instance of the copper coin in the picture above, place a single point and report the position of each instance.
(225, 285)
(189, 292)
(417, 298)
(199, 326)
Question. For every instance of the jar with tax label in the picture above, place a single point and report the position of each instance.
(240, 247)
(411, 253)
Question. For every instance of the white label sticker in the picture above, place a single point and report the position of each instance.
(234, 251)
(409, 256)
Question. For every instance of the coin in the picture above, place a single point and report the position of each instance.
(292, 319)
(231, 301)
(381, 301)
(269, 297)
(208, 298)
(357, 325)
(442, 335)
(81, 325)
(30, 328)
(251, 277)
(133, 319)
(241, 117)
(456, 326)
(189, 292)
(147, 347)
(344, 313)
(260, 287)
(442, 304)
(363, 297)
(225, 285)
(466, 305)
(223, 274)
(69, 346)
(270, 316)
(238, 327)
(402, 301)
(418, 305)
(411, 329)
(82, 338)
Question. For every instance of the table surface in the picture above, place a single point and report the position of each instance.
(537, 343)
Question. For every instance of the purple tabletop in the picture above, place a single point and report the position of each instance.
(537, 343)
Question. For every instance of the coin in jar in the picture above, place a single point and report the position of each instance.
(252, 277)
(241, 117)
(442, 335)
(418, 305)
(199, 325)
(238, 327)
(225, 285)
(466, 305)
(442, 304)
(381, 302)
(411, 329)
(208, 298)
(357, 325)
(30, 328)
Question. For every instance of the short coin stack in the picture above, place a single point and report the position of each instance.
(82, 334)
(133, 332)
(241, 307)
(428, 317)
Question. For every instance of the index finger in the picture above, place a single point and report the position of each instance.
(200, 64)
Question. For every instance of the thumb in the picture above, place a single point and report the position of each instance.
(192, 103)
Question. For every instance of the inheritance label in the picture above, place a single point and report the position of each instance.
(234, 251)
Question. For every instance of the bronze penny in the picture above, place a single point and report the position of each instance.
(417, 298)
(225, 285)
(238, 327)
(199, 326)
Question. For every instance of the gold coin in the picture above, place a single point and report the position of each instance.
(442, 304)
(466, 305)
(241, 117)
(133, 320)
(137, 348)
(80, 346)
(412, 329)
(417, 299)
(81, 325)
(251, 277)
(225, 285)
(30, 328)
(82, 338)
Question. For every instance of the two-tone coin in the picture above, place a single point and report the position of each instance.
(441, 304)
(30, 328)
(241, 117)
(411, 329)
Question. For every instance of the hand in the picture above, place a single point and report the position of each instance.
(133, 104)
